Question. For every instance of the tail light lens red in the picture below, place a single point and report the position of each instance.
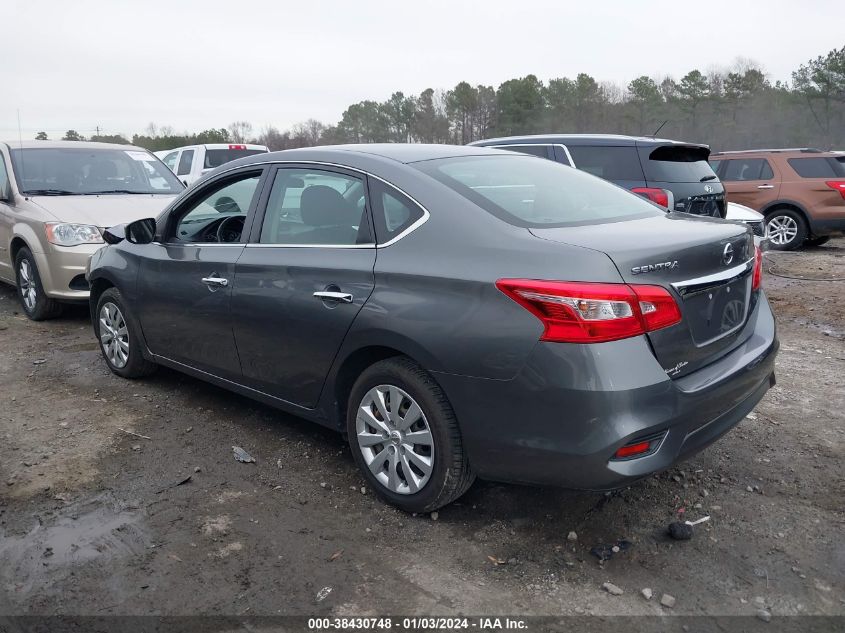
(658, 196)
(838, 185)
(581, 312)
(757, 279)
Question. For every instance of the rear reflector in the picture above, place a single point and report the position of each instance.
(237, 146)
(838, 185)
(757, 279)
(582, 312)
(658, 196)
(632, 449)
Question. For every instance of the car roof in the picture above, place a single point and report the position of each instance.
(789, 152)
(398, 152)
(610, 140)
(15, 144)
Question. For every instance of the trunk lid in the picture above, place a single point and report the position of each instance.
(706, 264)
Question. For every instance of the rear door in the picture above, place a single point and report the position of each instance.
(750, 181)
(302, 279)
(185, 283)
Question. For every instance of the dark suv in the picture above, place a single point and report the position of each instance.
(672, 174)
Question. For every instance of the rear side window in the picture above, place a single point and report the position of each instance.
(185, 161)
(740, 169)
(677, 163)
(610, 163)
(393, 211)
(817, 167)
(714, 165)
(536, 193)
(543, 151)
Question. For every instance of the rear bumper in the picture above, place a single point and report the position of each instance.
(562, 418)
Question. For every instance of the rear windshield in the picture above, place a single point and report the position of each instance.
(216, 157)
(818, 167)
(673, 163)
(527, 192)
(610, 163)
(81, 171)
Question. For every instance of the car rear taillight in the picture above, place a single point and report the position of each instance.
(583, 312)
(237, 146)
(658, 196)
(757, 279)
(838, 185)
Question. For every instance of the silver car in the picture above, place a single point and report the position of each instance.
(55, 200)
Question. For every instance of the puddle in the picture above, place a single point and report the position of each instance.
(93, 533)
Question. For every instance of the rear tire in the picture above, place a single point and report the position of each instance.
(786, 229)
(817, 241)
(36, 305)
(119, 336)
(429, 449)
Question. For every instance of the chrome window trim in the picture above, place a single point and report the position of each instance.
(692, 286)
(390, 242)
(560, 145)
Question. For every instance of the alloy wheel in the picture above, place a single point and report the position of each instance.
(28, 288)
(114, 335)
(782, 229)
(395, 439)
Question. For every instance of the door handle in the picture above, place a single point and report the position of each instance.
(765, 186)
(217, 282)
(328, 295)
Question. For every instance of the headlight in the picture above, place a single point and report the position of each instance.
(72, 234)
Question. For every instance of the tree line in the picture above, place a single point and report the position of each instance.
(735, 108)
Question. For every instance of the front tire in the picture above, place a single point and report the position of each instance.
(119, 336)
(35, 303)
(786, 229)
(405, 437)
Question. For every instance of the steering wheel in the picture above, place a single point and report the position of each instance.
(227, 233)
(225, 204)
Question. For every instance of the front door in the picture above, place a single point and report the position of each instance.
(301, 280)
(185, 283)
(750, 181)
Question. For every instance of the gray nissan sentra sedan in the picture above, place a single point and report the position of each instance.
(456, 311)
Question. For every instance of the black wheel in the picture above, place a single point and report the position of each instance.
(405, 437)
(786, 229)
(817, 241)
(35, 303)
(119, 338)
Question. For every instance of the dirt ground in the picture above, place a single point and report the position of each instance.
(93, 519)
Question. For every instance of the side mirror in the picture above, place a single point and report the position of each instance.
(141, 231)
(115, 234)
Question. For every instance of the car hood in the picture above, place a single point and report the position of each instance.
(103, 211)
(741, 212)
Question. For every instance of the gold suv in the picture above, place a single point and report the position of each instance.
(800, 191)
(56, 198)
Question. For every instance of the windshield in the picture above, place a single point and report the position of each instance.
(216, 157)
(86, 171)
(679, 163)
(534, 192)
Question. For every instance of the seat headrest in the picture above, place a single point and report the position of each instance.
(321, 205)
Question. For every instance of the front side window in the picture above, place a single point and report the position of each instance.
(185, 161)
(5, 187)
(393, 211)
(80, 171)
(170, 161)
(817, 167)
(741, 169)
(536, 193)
(316, 207)
(534, 150)
(219, 213)
(610, 163)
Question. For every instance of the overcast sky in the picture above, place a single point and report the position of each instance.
(192, 64)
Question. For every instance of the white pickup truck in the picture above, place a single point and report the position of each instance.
(191, 162)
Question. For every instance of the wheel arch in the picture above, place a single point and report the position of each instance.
(788, 204)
